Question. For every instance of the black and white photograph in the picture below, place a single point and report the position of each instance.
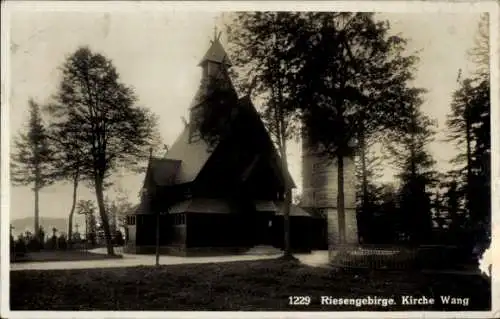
(161, 158)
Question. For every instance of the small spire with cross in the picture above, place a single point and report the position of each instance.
(217, 34)
(216, 52)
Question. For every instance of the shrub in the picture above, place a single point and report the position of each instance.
(118, 238)
(41, 235)
(91, 239)
(51, 243)
(62, 243)
(20, 247)
(12, 244)
(34, 244)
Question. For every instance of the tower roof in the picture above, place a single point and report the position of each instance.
(216, 53)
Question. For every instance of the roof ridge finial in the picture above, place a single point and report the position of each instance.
(215, 33)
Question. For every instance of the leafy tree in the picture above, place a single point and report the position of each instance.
(41, 236)
(118, 238)
(438, 210)
(114, 131)
(480, 112)
(407, 148)
(469, 126)
(353, 83)
(481, 160)
(68, 157)
(332, 70)
(20, 246)
(87, 208)
(53, 239)
(454, 210)
(408, 151)
(368, 194)
(459, 123)
(111, 210)
(389, 220)
(123, 207)
(119, 208)
(62, 242)
(480, 53)
(30, 164)
(262, 45)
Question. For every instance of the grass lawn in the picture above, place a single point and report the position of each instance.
(62, 255)
(254, 285)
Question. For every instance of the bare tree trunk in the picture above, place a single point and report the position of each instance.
(364, 170)
(281, 128)
(286, 207)
(158, 238)
(37, 212)
(36, 189)
(413, 160)
(468, 139)
(365, 207)
(340, 200)
(104, 217)
(72, 211)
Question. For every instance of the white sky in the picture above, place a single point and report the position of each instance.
(157, 54)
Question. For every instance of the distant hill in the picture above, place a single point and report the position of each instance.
(27, 223)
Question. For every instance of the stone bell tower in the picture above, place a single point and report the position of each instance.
(319, 187)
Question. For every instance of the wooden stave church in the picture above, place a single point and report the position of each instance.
(222, 199)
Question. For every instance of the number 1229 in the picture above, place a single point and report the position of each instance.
(299, 300)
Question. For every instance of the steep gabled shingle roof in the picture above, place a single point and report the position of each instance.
(247, 105)
(195, 153)
(163, 171)
(192, 154)
(160, 172)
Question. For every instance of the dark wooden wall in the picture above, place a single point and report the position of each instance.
(222, 174)
(216, 230)
(146, 230)
(228, 230)
(233, 230)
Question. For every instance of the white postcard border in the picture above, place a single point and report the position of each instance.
(373, 6)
